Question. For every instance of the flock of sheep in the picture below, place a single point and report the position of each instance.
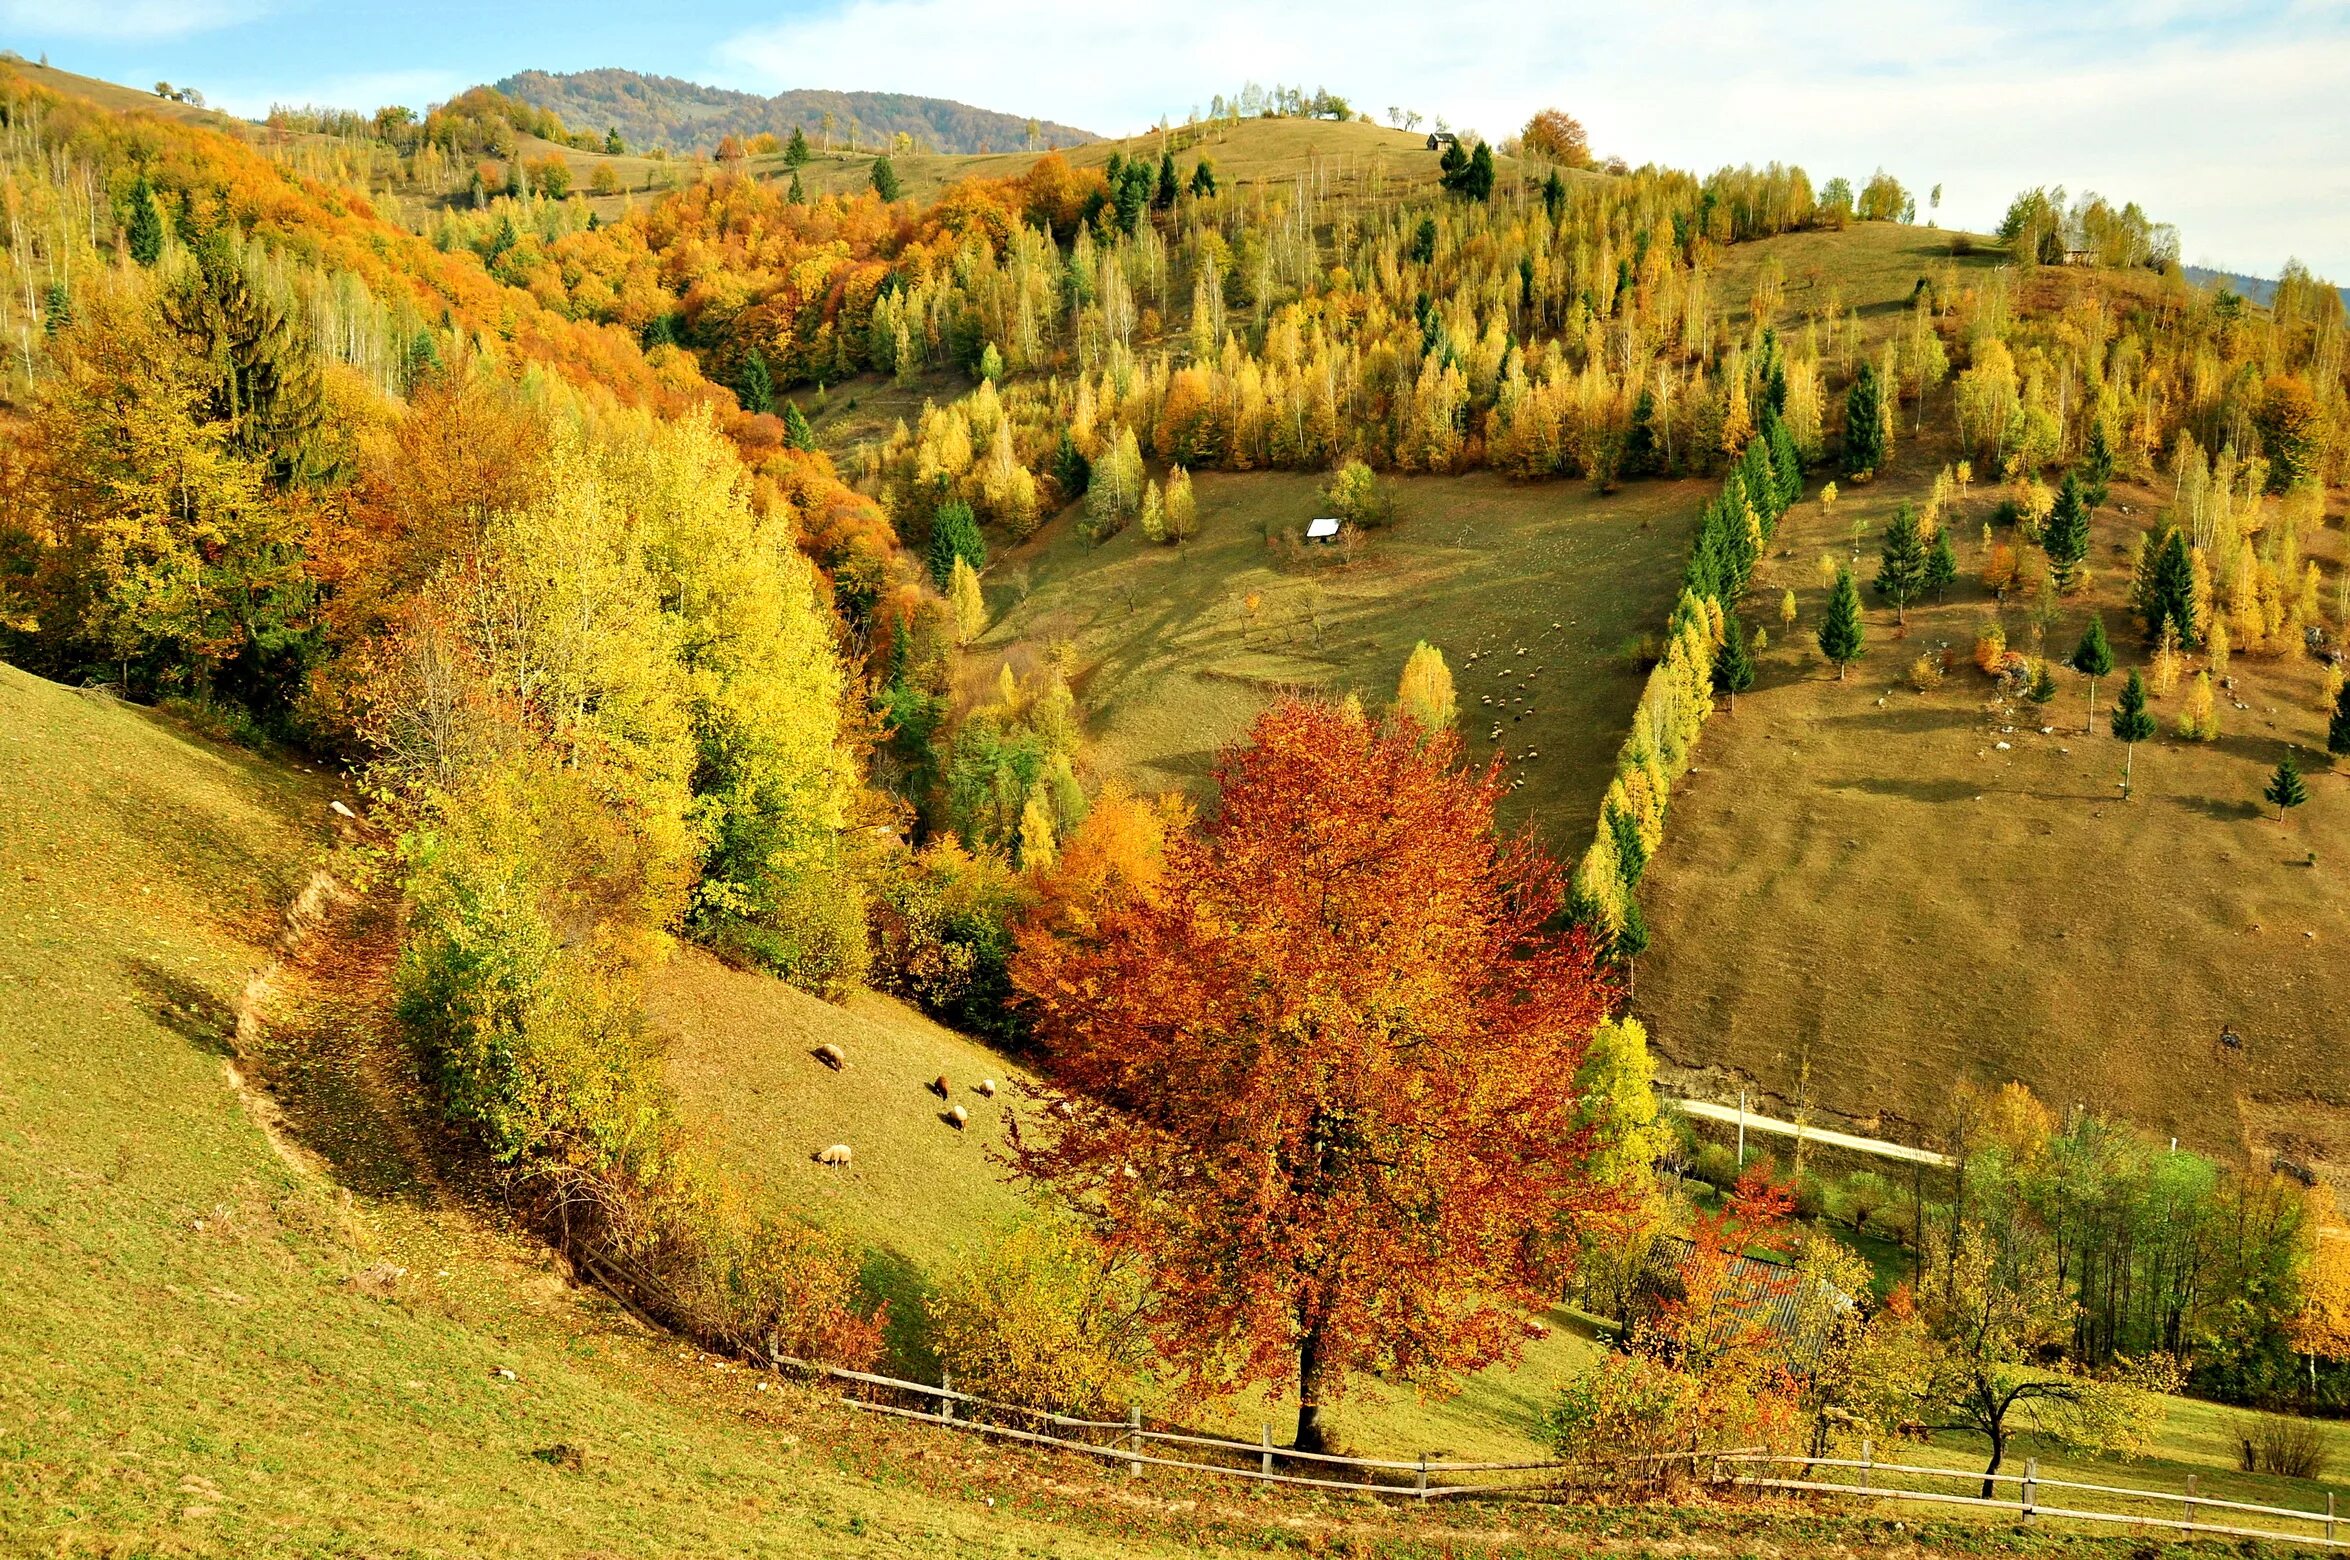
(954, 1116)
(1523, 694)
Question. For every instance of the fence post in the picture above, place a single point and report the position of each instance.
(1865, 1461)
(2187, 1506)
(2329, 1516)
(1423, 1476)
(946, 1397)
(2031, 1492)
(1265, 1440)
(1134, 1434)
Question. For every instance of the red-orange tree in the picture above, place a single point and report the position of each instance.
(1322, 1081)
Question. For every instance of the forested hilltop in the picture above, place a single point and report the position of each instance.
(684, 116)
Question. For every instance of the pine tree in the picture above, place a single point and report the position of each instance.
(1554, 196)
(2092, 658)
(1842, 637)
(1864, 422)
(758, 385)
(1203, 180)
(1901, 563)
(1477, 178)
(1786, 460)
(614, 146)
(1733, 662)
(2166, 589)
(2131, 724)
(2338, 728)
(2065, 533)
(2043, 691)
(796, 431)
(885, 179)
(1941, 564)
(1072, 472)
(795, 196)
(795, 151)
(954, 535)
(2097, 465)
(1164, 196)
(2285, 787)
(146, 224)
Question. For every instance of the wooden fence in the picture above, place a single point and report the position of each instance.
(1139, 1446)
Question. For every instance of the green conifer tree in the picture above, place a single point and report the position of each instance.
(1864, 422)
(146, 224)
(2338, 728)
(2285, 787)
(2097, 465)
(954, 533)
(1203, 179)
(1554, 196)
(614, 146)
(885, 179)
(1901, 563)
(796, 431)
(1941, 564)
(758, 385)
(795, 151)
(1733, 661)
(1843, 639)
(1164, 195)
(2043, 690)
(2131, 724)
(796, 195)
(2092, 658)
(2166, 589)
(2064, 536)
(1477, 179)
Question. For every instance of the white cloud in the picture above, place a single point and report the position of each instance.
(126, 21)
(2237, 130)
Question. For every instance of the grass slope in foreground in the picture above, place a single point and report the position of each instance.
(1178, 648)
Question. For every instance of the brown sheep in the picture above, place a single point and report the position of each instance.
(939, 1087)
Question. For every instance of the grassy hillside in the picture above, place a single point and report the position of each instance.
(1905, 889)
(1177, 648)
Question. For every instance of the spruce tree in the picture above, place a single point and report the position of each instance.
(796, 431)
(2065, 536)
(758, 385)
(1733, 662)
(1164, 196)
(1864, 422)
(614, 146)
(1554, 196)
(1941, 564)
(1901, 563)
(2166, 591)
(2338, 728)
(2097, 465)
(2092, 658)
(1842, 637)
(1203, 179)
(1071, 470)
(885, 179)
(1477, 180)
(954, 533)
(146, 224)
(2131, 724)
(1786, 459)
(2043, 691)
(795, 151)
(2285, 787)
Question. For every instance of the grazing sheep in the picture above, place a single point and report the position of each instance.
(987, 1087)
(957, 1117)
(831, 1056)
(939, 1086)
(838, 1154)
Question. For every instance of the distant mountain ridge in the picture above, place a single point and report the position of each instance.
(2260, 289)
(664, 111)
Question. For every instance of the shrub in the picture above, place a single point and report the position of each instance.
(1623, 1417)
(1811, 1195)
(1040, 1319)
(1354, 494)
(1925, 673)
(2281, 1444)
(942, 934)
(1716, 1165)
(1991, 647)
(1860, 1198)
(780, 1287)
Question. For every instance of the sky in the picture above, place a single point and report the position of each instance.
(2233, 122)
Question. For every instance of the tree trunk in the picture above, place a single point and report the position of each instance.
(2090, 724)
(1998, 1455)
(2129, 763)
(1309, 1436)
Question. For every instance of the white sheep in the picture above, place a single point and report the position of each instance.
(837, 1154)
(987, 1087)
(958, 1117)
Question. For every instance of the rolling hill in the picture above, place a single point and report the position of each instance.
(685, 116)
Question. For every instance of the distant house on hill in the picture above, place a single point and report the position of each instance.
(1323, 529)
(1742, 1293)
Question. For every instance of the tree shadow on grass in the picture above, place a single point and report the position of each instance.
(2220, 809)
(184, 1008)
(897, 1281)
(1910, 790)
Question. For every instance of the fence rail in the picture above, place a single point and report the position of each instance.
(1129, 1441)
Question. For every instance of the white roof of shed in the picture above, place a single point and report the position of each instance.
(1317, 529)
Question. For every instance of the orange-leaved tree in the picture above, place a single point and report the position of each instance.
(1322, 1079)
